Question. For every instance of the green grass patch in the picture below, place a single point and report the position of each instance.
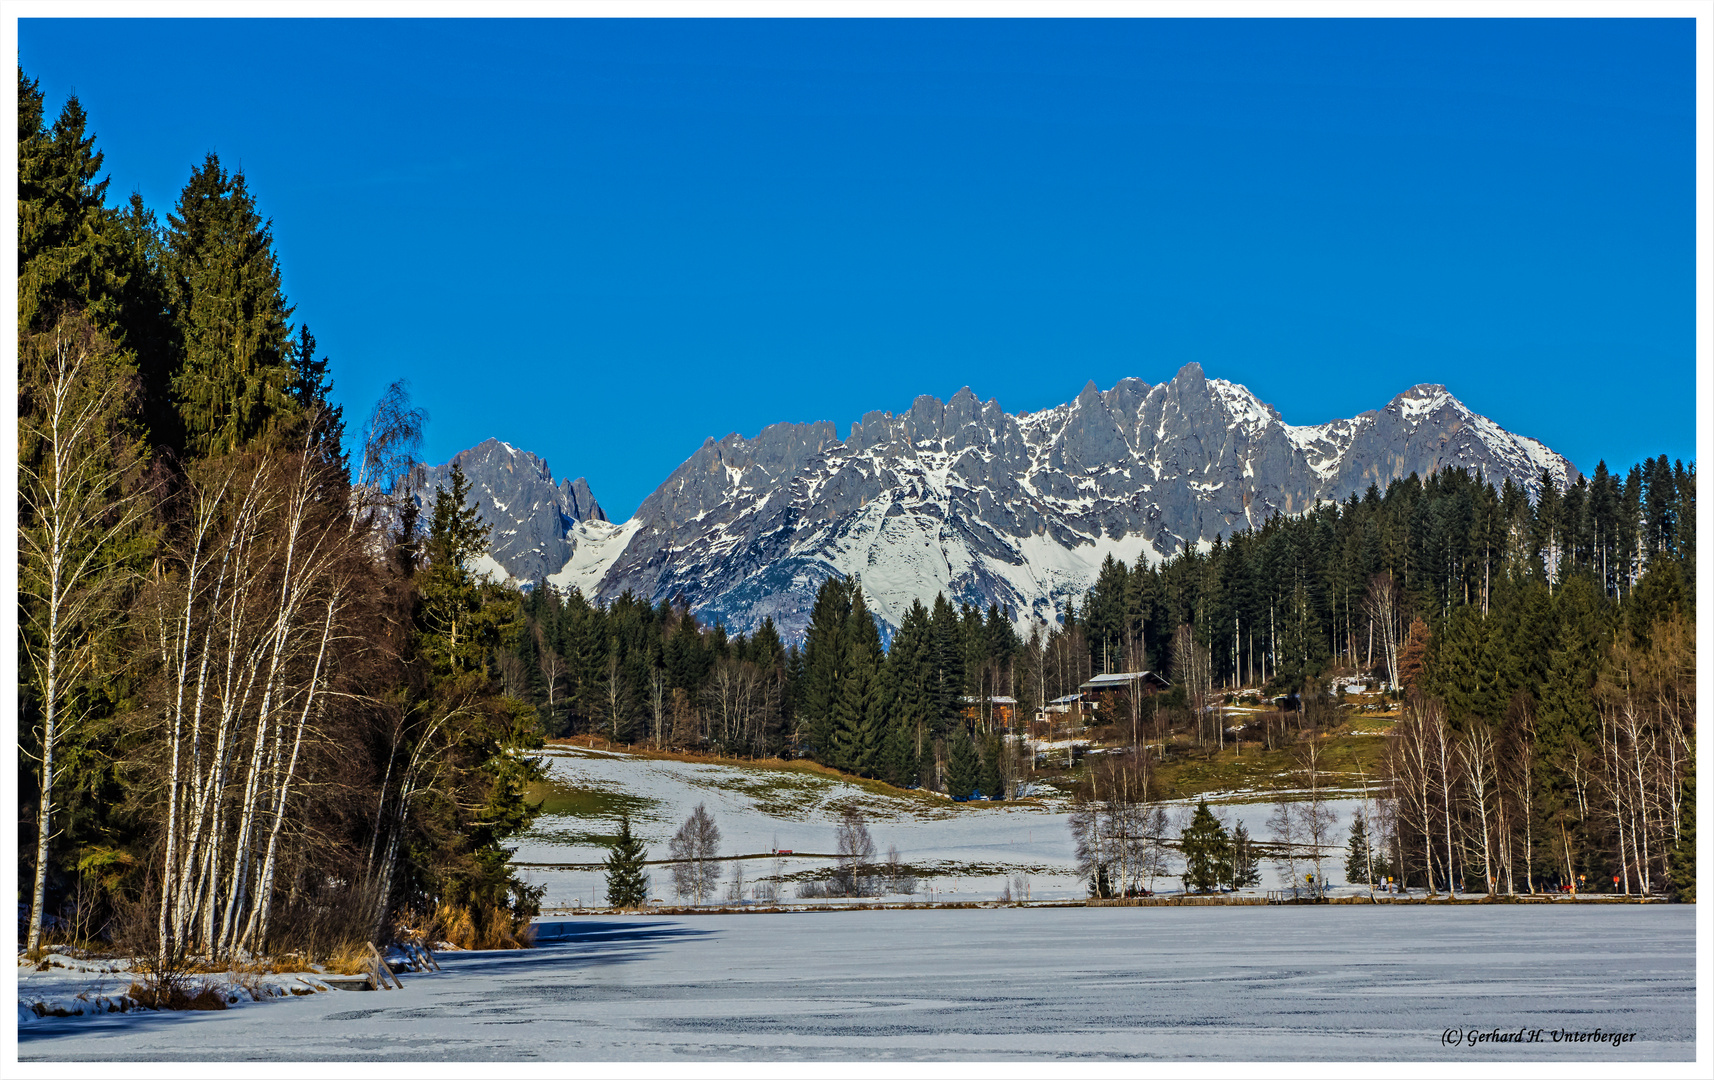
(1353, 753)
(560, 800)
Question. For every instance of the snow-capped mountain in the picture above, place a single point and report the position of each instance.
(530, 519)
(963, 498)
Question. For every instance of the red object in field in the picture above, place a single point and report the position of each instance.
(783, 851)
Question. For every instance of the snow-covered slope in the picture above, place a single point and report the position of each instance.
(963, 498)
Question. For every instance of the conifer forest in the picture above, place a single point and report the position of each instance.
(256, 697)
(265, 705)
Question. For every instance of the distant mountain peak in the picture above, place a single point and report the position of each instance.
(988, 507)
(530, 519)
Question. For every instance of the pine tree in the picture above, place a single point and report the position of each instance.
(1358, 868)
(627, 885)
(1207, 851)
(1246, 867)
(961, 764)
(463, 617)
(988, 777)
(228, 306)
(824, 658)
(859, 706)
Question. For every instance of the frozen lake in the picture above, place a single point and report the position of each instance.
(1234, 983)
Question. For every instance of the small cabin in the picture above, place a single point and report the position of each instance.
(1098, 689)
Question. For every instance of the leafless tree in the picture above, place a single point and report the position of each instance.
(1283, 824)
(1478, 767)
(80, 498)
(249, 613)
(1381, 605)
(695, 850)
(855, 850)
(1314, 817)
(392, 441)
(900, 878)
(1191, 669)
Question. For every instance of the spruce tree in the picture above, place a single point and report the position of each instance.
(899, 763)
(68, 251)
(824, 659)
(961, 764)
(988, 777)
(1246, 867)
(463, 617)
(230, 311)
(1207, 851)
(860, 703)
(1358, 869)
(627, 885)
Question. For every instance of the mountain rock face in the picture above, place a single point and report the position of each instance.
(530, 518)
(963, 498)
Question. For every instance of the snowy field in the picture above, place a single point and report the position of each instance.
(967, 851)
(1340, 983)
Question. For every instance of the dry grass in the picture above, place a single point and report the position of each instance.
(350, 958)
(179, 997)
(493, 928)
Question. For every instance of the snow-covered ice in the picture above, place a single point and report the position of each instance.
(1337, 983)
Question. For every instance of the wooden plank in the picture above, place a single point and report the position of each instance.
(382, 970)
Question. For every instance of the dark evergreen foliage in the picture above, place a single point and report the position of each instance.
(627, 885)
(1207, 852)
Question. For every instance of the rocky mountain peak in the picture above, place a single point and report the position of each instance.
(529, 518)
(988, 507)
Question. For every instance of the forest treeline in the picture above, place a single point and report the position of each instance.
(1543, 648)
(257, 709)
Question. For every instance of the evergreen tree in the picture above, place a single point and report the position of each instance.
(1246, 867)
(855, 730)
(1358, 867)
(825, 654)
(1207, 851)
(899, 763)
(961, 764)
(229, 309)
(1100, 885)
(988, 778)
(464, 617)
(946, 666)
(311, 389)
(68, 254)
(627, 885)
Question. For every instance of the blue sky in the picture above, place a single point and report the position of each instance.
(606, 241)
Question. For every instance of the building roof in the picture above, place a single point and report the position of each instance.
(1117, 679)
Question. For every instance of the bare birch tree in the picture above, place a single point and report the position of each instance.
(695, 850)
(80, 502)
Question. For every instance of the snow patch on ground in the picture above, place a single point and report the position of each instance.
(964, 851)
